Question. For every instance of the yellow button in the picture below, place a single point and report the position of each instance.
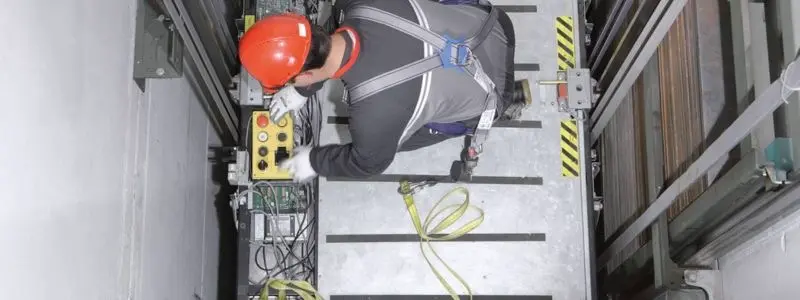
(283, 122)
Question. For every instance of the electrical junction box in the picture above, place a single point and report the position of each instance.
(283, 227)
(270, 144)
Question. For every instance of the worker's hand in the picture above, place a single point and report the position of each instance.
(300, 165)
(284, 101)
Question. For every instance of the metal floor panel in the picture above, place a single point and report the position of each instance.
(518, 269)
(554, 267)
(354, 208)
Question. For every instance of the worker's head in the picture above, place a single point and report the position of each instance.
(285, 49)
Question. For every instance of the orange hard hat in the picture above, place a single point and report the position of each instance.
(275, 48)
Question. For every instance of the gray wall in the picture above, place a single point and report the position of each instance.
(105, 190)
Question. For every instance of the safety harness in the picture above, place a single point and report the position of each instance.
(450, 53)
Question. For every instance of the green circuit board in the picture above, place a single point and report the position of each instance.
(286, 199)
(265, 7)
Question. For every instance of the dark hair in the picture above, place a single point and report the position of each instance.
(320, 48)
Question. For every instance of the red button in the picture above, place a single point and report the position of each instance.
(262, 121)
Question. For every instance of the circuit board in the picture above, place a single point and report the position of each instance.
(281, 199)
(265, 7)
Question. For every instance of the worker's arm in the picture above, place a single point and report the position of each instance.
(308, 91)
(376, 126)
(343, 4)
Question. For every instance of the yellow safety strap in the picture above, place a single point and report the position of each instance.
(301, 288)
(426, 234)
(456, 211)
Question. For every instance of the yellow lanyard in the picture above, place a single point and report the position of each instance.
(426, 235)
(300, 287)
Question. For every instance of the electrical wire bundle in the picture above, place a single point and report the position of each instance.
(294, 257)
(308, 122)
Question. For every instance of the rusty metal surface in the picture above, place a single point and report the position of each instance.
(624, 172)
(623, 144)
(681, 104)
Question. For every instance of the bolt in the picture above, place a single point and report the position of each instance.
(691, 276)
(160, 72)
(579, 88)
(598, 206)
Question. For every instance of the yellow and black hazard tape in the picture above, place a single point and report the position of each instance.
(565, 43)
(570, 155)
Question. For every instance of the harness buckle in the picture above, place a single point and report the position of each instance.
(455, 54)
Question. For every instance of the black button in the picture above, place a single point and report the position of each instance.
(282, 137)
(281, 155)
(263, 151)
(262, 165)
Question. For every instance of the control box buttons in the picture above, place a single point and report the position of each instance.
(270, 143)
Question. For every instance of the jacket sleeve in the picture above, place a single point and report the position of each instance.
(376, 127)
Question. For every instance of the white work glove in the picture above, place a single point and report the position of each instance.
(300, 165)
(284, 101)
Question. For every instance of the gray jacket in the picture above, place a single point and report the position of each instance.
(393, 120)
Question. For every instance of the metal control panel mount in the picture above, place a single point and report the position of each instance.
(271, 144)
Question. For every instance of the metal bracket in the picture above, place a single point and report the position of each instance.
(708, 280)
(238, 172)
(579, 83)
(596, 165)
(575, 89)
(249, 91)
(775, 175)
(158, 50)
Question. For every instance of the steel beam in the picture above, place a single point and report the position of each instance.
(718, 201)
(663, 266)
(217, 94)
(763, 212)
(643, 49)
(764, 105)
(605, 68)
(609, 31)
(587, 210)
(751, 64)
(587, 183)
(725, 196)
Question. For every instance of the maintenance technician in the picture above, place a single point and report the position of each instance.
(417, 72)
